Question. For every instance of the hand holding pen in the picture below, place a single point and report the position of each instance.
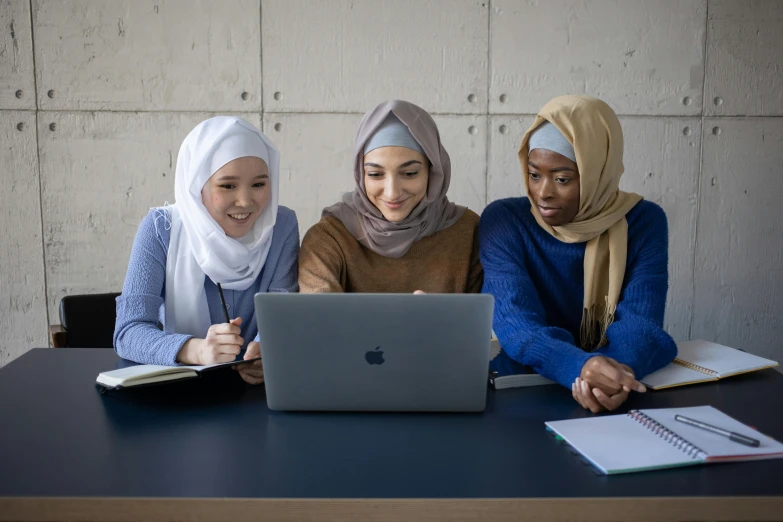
(222, 344)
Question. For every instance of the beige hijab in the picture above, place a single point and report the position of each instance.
(434, 213)
(594, 130)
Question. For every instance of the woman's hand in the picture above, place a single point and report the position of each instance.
(609, 376)
(594, 399)
(251, 373)
(222, 344)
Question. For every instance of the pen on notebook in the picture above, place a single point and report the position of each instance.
(736, 437)
(223, 302)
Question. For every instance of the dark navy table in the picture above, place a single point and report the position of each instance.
(209, 449)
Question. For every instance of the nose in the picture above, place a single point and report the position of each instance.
(391, 188)
(243, 198)
(546, 189)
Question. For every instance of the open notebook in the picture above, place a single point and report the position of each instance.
(643, 440)
(152, 373)
(702, 361)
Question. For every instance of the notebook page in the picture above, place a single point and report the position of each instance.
(721, 359)
(713, 444)
(674, 375)
(619, 444)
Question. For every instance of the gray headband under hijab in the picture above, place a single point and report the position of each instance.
(548, 137)
(392, 133)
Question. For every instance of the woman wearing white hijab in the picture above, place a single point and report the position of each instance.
(226, 227)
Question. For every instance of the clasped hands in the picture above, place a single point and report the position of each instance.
(604, 384)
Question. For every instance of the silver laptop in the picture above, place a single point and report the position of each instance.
(375, 352)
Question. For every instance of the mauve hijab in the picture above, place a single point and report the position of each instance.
(434, 213)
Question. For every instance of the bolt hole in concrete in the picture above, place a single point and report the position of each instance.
(245, 96)
(278, 96)
(472, 98)
(686, 131)
(20, 126)
(19, 93)
(503, 98)
(503, 129)
(718, 100)
(278, 127)
(52, 126)
(50, 93)
(686, 101)
(716, 131)
(472, 129)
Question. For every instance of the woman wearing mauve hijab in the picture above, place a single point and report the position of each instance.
(397, 231)
(226, 227)
(578, 268)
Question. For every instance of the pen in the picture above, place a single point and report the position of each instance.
(736, 437)
(223, 302)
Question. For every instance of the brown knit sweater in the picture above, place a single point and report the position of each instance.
(332, 260)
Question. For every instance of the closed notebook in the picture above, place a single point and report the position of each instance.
(643, 440)
(524, 378)
(703, 361)
(152, 373)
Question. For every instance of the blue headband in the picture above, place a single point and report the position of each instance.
(392, 133)
(548, 137)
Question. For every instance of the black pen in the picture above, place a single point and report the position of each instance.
(223, 302)
(736, 437)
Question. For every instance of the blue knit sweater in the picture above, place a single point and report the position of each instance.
(140, 308)
(538, 281)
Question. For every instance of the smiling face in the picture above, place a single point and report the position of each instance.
(553, 181)
(236, 194)
(395, 180)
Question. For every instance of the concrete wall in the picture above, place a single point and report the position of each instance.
(95, 98)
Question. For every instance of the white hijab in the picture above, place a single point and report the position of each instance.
(198, 245)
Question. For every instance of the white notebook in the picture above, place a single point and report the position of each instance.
(702, 361)
(152, 373)
(643, 440)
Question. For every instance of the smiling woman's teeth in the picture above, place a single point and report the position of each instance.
(239, 216)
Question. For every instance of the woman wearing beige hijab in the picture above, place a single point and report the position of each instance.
(578, 268)
(397, 231)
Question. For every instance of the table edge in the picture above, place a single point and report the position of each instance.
(126, 509)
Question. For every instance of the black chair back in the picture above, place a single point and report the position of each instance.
(89, 320)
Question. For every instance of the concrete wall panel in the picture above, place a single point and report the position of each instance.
(22, 291)
(148, 55)
(744, 58)
(641, 56)
(17, 87)
(347, 56)
(739, 276)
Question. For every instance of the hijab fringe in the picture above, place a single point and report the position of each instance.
(590, 328)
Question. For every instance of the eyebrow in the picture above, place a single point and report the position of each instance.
(406, 164)
(235, 178)
(556, 169)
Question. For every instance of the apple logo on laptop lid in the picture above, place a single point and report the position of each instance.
(375, 356)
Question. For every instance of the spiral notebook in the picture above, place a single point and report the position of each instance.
(703, 361)
(643, 440)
